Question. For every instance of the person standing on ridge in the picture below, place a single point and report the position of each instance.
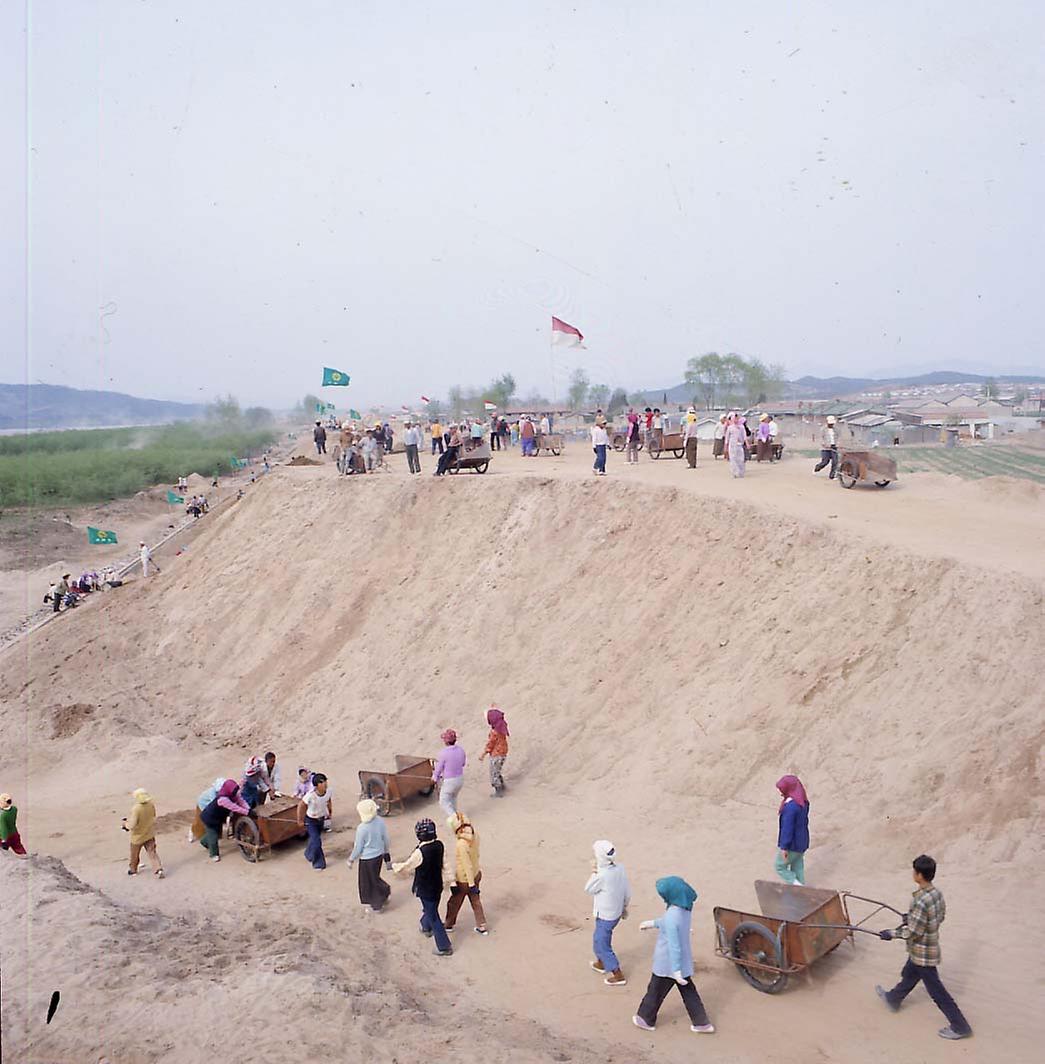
(412, 443)
(921, 930)
(145, 557)
(319, 438)
(600, 442)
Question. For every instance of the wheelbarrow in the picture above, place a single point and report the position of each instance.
(390, 790)
(797, 926)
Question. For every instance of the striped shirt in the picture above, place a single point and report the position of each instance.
(922, 931)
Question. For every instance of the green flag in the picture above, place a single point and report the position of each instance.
(355, 415)
(98, 535)
(172, 498)
(319, 408)
(334, 378)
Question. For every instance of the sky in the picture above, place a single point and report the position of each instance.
(204, 198)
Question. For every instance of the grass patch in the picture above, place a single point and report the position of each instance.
(98, 465)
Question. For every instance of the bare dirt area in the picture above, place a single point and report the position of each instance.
(665, 642)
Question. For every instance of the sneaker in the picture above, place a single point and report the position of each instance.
(444, 952)
(642, 1024)
(596, 966)
(953, 1035)
(615, 979)
(424, 931)
(159, 874)
(449, 930)
(706, 1028)
(132, 872)
(481, 931)
(216, 857)
(884, 995)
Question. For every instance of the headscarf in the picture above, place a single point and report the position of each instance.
(632, 416)
(605, 852)
(228, 789)
(425, 830)
(791, 787)
(449, 737)
(253, 766)
(676, 891)
(6, 801)
(367, 810)
(495, 718)
(141, 796)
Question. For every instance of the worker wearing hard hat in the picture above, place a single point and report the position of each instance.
(828, 449)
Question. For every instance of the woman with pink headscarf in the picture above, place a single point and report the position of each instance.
(449, 772)
(735, 441)
(793, 834)
(497, 749)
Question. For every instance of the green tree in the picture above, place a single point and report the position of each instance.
(501, 390)
(257, 417)
(224, 411)
(598, 395)
(618, 401)
(435, 410)
(455, 400)
(1019, 397)
(990, 388)
(308, 405)
(704, 377)
(578, 389)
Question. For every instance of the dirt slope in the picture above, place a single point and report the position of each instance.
(660, 665)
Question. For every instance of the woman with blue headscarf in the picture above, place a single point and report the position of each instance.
(673, 958)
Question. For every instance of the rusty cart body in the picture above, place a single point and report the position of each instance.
(266, 825)
(854, 466)
(549, 441)
(669, 442)
(797, 925)
(412, 778)
(476, 458)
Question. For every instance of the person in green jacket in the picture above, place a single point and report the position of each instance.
(9, 837)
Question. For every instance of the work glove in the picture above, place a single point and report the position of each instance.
(679, 978)
(647, 925)
(887, 935)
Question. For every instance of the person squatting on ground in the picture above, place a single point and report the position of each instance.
(214, 816)
(371, 847)
(921, 930)
(142, 826)
(608, 884)
(428, 864)
(496, 749)
(9, 837)
(828, 449)
(673, 958)
(466, 873)
(793, 835)
(449, 772)
(313, 811)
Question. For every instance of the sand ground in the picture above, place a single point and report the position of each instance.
(665, 643)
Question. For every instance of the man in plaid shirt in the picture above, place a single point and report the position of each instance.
(921, 930)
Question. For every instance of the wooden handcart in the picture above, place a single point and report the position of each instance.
(475, 458)
(865, 465)
(667, 442)
(797, 925)
(266, 825)
(549, 441)
(412, 778)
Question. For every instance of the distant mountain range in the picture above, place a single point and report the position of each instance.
(837, 387)
(53, 406)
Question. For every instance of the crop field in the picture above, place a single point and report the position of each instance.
(968, 462)
(97, 465)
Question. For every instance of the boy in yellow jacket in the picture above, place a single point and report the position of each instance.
(466, 874)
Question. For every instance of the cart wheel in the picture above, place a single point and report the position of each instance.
(427, 793)
(455, 468)
(619, 443)
(482, 467)
(654, 450)
(882, 483)
(846, 475)
(556, 452)
(248, 838)
(753, 941)
(678, 454)
(376, 793)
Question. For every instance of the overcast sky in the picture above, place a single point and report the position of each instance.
(229, 196)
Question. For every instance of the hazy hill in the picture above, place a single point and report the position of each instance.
(53, 406)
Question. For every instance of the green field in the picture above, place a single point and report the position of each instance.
(97, 465)
(970, 463)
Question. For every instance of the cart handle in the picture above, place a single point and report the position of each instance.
(844, 927)
(871, 901)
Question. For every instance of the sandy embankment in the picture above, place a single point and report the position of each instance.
(664, 649)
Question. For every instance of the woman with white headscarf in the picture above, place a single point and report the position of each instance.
(608, 885)
(736, 439)
(372, 846)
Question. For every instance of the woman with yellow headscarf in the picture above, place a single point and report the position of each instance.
(142, 826)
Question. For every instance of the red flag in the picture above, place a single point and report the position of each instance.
(425, 400)
(564, 335)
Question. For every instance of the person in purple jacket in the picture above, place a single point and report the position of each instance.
(449, 772)
(793, 836)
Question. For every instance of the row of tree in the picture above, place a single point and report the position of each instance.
(224, 413)
(729, 380)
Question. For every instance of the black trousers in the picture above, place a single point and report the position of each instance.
(437, 442)
(659, 988)
(412, 460)
(495, 441)
(446, 459)
(911, 976)
(828, 456)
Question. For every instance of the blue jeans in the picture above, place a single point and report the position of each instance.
(602, 943)
(430, 921)
(914, 974)
(600, 458)
(793, 870)
(314, 849)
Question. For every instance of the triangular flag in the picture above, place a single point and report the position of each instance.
(335, 378)
(564, 335)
